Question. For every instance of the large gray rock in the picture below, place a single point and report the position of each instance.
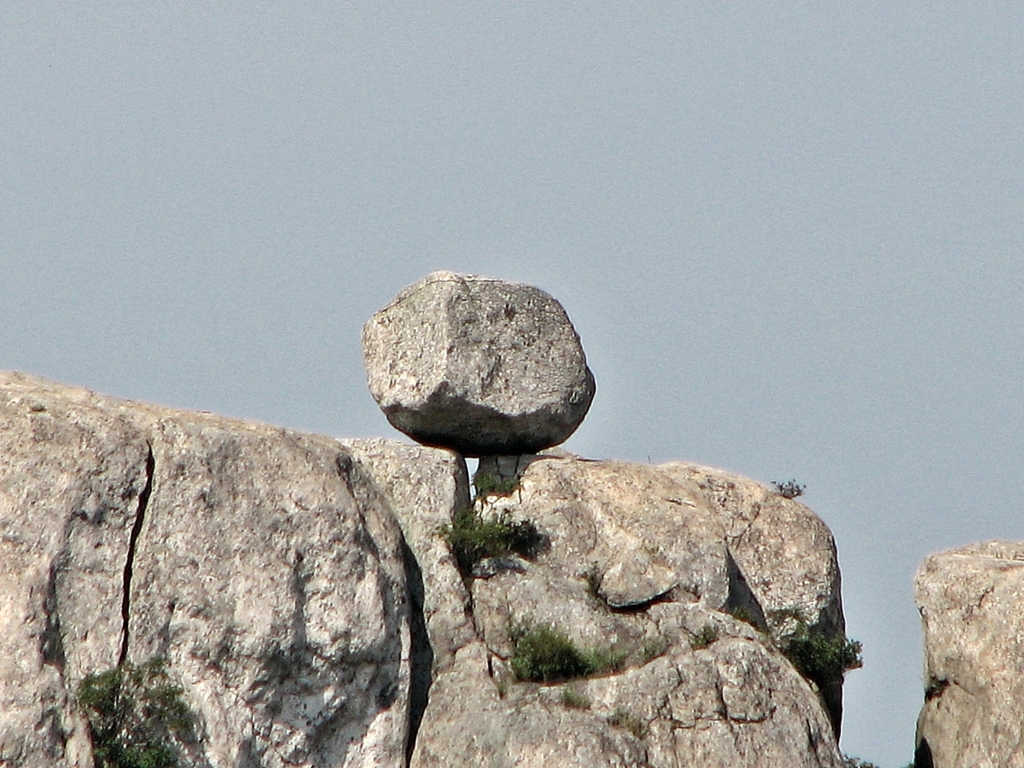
(972, 609)
(479, 365)
(304, 595)
(261, 563)
(641, 562)
(72, 470)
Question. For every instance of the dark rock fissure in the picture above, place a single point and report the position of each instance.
(53, 639)
(923, 755)
(140, 517)
(741, 602)
(421, 654)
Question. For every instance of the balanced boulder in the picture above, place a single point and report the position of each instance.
(483, 366)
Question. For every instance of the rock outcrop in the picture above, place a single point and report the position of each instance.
(479, 365)
(971, 610)
(641, 564)
(304, 594)
(258, 562)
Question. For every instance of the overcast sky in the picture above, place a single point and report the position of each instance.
(790, 236)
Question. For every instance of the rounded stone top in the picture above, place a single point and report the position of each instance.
(480, 365)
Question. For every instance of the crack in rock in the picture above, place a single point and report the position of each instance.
(140, 517)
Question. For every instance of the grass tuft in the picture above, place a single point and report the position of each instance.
(573, 698)
(622, 718)
(707, 635)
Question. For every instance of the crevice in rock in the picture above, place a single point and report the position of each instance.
(923, 755)
(643, 606)
(140, 517)
(421, 655)
(52, 638)
(741, 601)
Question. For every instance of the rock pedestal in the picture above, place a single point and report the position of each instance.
(479, 365)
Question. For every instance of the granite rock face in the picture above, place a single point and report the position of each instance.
(71, 476)
(641, 565)
(259, 562)
(972, 612)
(305, 596)
(480, 365)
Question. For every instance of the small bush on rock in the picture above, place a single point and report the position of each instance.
(856, 762)
(136, 715)
(543, 654)
(489, 484)
(818, 657)
(654, 647)
(789, 488)
(935, 687)
(622, 718)
(472, 538)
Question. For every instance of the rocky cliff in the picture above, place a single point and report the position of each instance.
(969, 600)
(314, 602)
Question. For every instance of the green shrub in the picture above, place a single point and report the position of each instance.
(473, 538)
(818, 657)
(543, 654)
(546, 655)
(790, 488)
(489, 484)
(136, 715)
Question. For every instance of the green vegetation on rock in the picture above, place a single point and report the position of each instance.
(472, 537)
(819, 657)
(543, 654)
(490, 484)
(707, 635)
(623, 718)
(789, 488)
(574, 699)
(136, 715)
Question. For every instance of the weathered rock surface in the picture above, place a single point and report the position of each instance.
(258, 561)
(306, 599)
(641, 562)
(71, 474)
(972, 608)
(480, 365)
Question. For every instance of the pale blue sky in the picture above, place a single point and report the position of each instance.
(790, 236)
